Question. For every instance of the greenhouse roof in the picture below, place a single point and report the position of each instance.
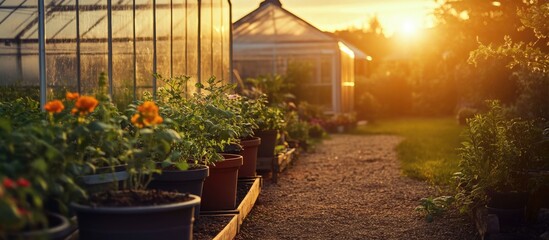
(270, 23)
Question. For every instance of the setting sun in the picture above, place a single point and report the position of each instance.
(409, 28)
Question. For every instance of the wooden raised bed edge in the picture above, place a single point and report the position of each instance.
(230, 230)
(277, 164)
(245, 207)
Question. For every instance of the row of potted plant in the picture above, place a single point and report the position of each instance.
(126, 174)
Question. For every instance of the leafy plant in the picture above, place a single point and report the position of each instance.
(496, 155)
(433, 207)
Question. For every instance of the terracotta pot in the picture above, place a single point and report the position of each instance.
(249, 154)
(58, 228)
(268, 143)
(220, 187)
(167, 221)
(187, 181)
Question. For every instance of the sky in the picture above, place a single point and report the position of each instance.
(330, 15)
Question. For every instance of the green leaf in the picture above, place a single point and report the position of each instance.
(40, 165)
(182, 165)
(99, 126)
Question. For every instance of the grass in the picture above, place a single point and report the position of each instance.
(429, 150)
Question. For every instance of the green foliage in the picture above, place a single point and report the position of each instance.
(21, 111)
(296, 128)
(496, 155)
(433, 207)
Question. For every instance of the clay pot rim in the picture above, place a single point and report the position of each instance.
(231, 160)
(250, 142)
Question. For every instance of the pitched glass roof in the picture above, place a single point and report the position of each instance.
(271, 23)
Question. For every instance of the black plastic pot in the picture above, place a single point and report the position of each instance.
(268, 143)
(508, 206)
(105, 179)
(168, 221)
(59, 228)
(188, 181)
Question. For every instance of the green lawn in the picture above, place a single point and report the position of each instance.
(428, 151)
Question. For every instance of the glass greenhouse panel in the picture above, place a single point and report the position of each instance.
(217, 39)
(122, 53)
(206, 33)
(144, 46)
(94, 46)
(192, 43)
(179, 38)
(61, 60)
(226, 33)
(163, 39)
(130, 38)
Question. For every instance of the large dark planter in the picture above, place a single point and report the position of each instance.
(168, 221)
(59, 228)
(508, 206)
(268, 143)
(249, 155)
(105, 179)
(188, 181)
(220, 187)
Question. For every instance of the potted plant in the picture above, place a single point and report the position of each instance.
(22, 215)
(31, 206)
(270, 120)
(137, 213)
(245, 107)
(496, 157)
(221, 125)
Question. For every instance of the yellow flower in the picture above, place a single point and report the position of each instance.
(147, 116)
(85, 105)
(54, 106)
(72, 95)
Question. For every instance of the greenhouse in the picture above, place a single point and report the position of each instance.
(53, 46)
(272, 41)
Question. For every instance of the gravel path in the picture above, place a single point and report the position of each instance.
(350, 188)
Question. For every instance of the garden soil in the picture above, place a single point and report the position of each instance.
(351, 187)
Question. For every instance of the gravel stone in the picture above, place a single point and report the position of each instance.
(350, 188)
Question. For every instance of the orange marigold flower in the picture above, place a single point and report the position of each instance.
(85, 105)
(23, 182)
(147, 116)
(54, 106)
(136, 120)
(8, 183)
(72, 95)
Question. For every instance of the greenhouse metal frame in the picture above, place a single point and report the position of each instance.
(63, 45)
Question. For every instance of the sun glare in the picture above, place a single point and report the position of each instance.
(409, 28)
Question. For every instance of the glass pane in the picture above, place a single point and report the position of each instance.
(217, 39)
(144, 46)
(61, 61)
(94, 47)
(163, 39)
(19, 76)
(179, 35)
(122, 53)
(192, 43)
(226, 33)
(206, 47)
